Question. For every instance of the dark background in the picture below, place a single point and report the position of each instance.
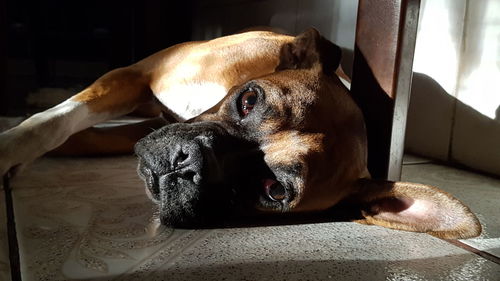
(61, 43)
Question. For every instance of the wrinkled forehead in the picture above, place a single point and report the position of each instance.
(303, 99)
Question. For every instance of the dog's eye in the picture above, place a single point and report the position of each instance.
(247, 102)
(274, 190)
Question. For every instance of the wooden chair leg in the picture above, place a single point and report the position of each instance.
(381, 79)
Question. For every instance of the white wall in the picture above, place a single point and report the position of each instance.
(335, 19)
(455, 93)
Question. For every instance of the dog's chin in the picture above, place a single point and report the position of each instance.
(185, 204)
(189, 219)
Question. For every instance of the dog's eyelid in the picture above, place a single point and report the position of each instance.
(248, 99)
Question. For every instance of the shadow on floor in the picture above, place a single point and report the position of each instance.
(453, 267)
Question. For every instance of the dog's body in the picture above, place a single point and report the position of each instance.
(270, 128)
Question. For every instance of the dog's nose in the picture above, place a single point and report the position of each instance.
(178, 161)
(164, 171)
(188, 168)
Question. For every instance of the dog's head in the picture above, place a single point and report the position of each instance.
(290, 141)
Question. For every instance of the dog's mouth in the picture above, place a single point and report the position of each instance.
(187, 199)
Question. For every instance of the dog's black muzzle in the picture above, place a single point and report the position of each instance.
(196, 172)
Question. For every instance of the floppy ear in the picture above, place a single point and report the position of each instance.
(310, 49)
(415, 207)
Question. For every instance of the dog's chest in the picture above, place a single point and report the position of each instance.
(187, 100)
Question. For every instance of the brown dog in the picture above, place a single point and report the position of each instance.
(270, 128)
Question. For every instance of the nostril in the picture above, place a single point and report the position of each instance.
(180, 158)
(192, 176)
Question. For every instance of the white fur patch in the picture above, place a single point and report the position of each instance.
(190, 100)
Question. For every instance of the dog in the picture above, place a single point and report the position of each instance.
(263, 125)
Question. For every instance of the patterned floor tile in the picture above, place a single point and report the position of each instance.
(325, 251)
(84, 218)
(90, 219)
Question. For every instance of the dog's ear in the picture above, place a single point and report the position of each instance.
(310, 49)
(415, 207)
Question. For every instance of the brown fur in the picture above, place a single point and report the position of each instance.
(120, 90)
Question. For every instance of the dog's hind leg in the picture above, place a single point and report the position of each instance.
(114, 94)
(105, 141)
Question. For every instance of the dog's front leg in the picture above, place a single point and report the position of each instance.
(116, 93)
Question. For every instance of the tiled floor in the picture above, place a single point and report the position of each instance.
(89, 219)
